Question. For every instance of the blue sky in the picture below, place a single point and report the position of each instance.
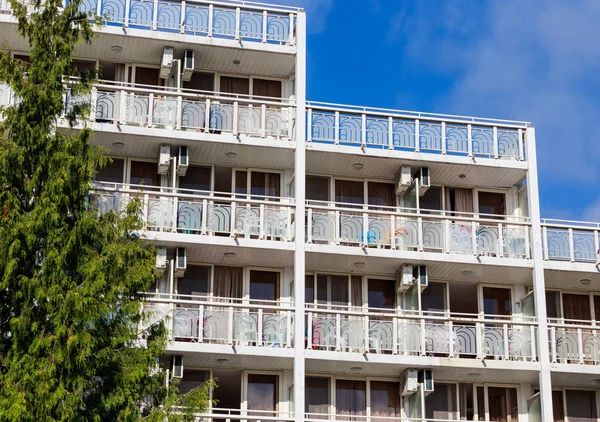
(528, 60)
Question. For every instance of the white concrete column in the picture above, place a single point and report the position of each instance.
(299, 257)
(539, 285)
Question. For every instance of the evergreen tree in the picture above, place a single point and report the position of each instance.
(71, 346)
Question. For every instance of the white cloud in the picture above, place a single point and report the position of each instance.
(537, 61)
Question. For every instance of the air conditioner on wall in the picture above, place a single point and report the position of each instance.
(183, 160)
(426, 379)
(404, 278)
(188, 65)
(403, 179)
(424, 180)
(180, 262)
(166, 63)
(161, 260)
(177, 366)
(164, 159)
(409, 382)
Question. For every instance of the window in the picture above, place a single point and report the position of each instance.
(228, 282)
(317, 398)
(492, 203)
(264, 285)
(192, 379)
(351, 399)
(144, 173)
(112, 172)
(441, 404)
(195, 282)
(232, 85)
(349, 192)
(581, 406)
(146, 76)
(223, 179)
(576, 307)
(333, 289)
(382, 294)
(385, 401)
(381, 194)
(200, 82)
(432, 200)
(196, 178)
(309, 289)
(317, 188)
(266, 88)
(263, 394)
(497, 301)
(433, 298)
(262, 184)
(553, 304)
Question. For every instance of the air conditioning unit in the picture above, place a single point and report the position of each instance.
(180, 262)
(177, 366)
(409, 382)
(404, 278)
(403, 179)
(426, 379)
(420, 275)
(161, 260)
(166, 63)
(164, 159)
(183, 160)
(424, 180)
(188, 65)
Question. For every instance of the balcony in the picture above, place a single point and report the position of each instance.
(571, 241)
(574, 342)
(224, 321)
(228, 20)
(352, 129)
(419, 334)
(394, 229)
(202, 214)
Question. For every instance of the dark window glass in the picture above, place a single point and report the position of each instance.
(432, 200)
(196, 178)
(433, 298)
(317, 397)
(496, 301)
(195, 282)
(266, 88)
(264, 285)
(143, 173)
(192, 379)
(317, 188)
(112, 172)
(146, 76)
(233, 85)
(349, 192)
(382, 294)
(201, 82)
(263, 394)
(492, 203)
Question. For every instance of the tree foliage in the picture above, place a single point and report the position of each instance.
(71, 346)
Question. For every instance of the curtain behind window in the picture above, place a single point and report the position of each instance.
(382, 194)
(228, 282)
(233, 85)
(266, 88)
(351, 399)
(385, 401)
(577, 307)
(349, 192)
(356, 286)
(317, 397)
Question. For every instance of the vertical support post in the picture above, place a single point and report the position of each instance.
(207, 116)
(580, 346)
(363, 132)
(263, 120)
(393, 232)
(338, 332)
(178, 118)
(238, 18)
(571, 246)
(336, 128)
(444, 146)
(211, 18)
(155, 15)
(201, 324)
(506, 341)
(450, 339)
(291, 40)
(309, 225)
(527, 242)
(308, 126)
(533, 343)
(539, 288)
(309, 332)
(230, 325)
(417, 136)
(520, 141)
(500, 244)
(204, 215)
(264, 26)
(495, 140)
(99, 8)
(479, 340)
(150, 109)
(366, 333)
(126, 17)
(365, 234)
(474, 238)
(469, 140)
(420, 237)
(337, 234)
(300, 245)
(423, 337)
(259, 334)
(545, 242)
(233, 225)
(261, 222)
(553, 344)
(182, 21)
(596, 246)
(390, 133)
(288, 329)
(236, 117)
(447, 236)
(395, 336)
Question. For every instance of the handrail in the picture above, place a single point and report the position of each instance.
(175, 298)
(195, 195)
(552, 222)
(412, 315)
(573, 323)
(414, 212)
(412, 114)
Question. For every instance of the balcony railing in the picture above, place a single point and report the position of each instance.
(575, 342)
(201, 213)
(240, 21)
(149, 106)
(416, 334)
(319, 417)
(572, 241)
(231, 415)
(388, 228)
(223, 320)
(415, 132)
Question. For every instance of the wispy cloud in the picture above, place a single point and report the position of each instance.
(535, 61)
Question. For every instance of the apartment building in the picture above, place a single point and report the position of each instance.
(333, 262)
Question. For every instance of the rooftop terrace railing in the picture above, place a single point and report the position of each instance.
(201, 213)
(213, 320)
(422, 334)
(572, 241)
(226, 19)
(406, 229)
(399, 130)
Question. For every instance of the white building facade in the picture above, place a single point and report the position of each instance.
(327, 261)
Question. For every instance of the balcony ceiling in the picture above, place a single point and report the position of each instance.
(571, 280)
(256, 359)
(442, 270)
(148, 50)
(485, 173)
